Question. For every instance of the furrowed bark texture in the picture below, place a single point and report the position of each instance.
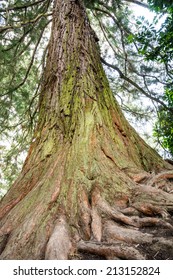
(86, 186)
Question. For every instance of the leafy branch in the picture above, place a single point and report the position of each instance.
(30, 64)
(122, 76)
(16, 8)
(9, 27)
(139, 3)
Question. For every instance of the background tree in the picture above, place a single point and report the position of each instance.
(156, 45)
(22, 58)
(79, 187)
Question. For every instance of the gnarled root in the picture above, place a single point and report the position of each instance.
(113, 232)
(111, 251)
(59, 244)
(129, 231)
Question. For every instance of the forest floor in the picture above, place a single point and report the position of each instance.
(150, 251)
(161, 253)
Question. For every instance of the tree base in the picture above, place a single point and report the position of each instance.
(129, 230)
(92, 218)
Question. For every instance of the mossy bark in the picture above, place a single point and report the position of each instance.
(85, 162)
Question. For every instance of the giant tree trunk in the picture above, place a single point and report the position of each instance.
(87, 188)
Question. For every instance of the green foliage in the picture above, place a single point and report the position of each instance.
(22, 45)
(10, 163)
(90, 3)
(163, 130)
(155, 44)
(112, 4)
(160, 5)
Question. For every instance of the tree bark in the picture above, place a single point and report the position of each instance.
(88, 180)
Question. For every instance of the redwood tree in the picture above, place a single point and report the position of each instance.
(90, 186)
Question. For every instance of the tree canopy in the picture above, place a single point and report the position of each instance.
(156, 45)
(137, 56)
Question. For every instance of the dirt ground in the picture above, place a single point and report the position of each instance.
(151, 251)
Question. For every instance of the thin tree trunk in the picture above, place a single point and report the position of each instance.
(86, 166)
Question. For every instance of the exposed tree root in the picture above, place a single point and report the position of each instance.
(160, 176)
(121, 231)
(126, 232)
(149, 209)
(113, 232)
(163, 181)
(96, 225)
(119, 250)
(59, 244)
(84, 209)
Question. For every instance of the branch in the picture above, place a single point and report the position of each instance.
(138, 3)
(105, 35)
(121, 28)
(108, 14)
(14, 8)
(31, 62)
(134, 84)
(5, 28)
(144, 5)
(103, 28)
